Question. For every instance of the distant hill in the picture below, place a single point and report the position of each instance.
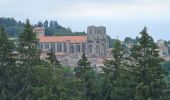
(14, 28)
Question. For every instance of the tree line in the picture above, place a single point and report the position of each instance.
(138, 75)
(14, 28)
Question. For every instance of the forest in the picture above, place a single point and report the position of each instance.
(139, 75)
(52, 27)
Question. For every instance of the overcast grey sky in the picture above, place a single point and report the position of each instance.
(121, 17)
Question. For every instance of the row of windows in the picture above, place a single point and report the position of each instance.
(96, 31)
(59, 47)
(77, 48)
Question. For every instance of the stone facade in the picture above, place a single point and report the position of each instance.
(97, 42)
(69, 49)
(163, 49)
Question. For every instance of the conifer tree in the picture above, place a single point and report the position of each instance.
(146, 67)
(52, 59)
(83, 65)
(115, 74)
(6, 65)
(28, 43)
(29, 59)
(88, 79)
(113, 67)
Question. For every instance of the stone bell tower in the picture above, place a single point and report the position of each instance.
(97, 40)
(40, 31)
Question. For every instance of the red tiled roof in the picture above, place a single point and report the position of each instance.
(72, 39)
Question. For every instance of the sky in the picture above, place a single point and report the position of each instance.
(122, 18)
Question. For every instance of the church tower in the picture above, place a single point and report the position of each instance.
(97, 40)
(40, 31)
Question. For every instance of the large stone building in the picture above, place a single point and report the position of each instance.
(69, 49)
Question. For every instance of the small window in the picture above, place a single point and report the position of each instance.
(46, 45)
(78, 48)
(65, 47)
(59, 47)
(53, 46)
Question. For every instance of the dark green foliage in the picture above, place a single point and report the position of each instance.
(111, 42)
(90, 87)
(46, 23)
(82, 66)
(27, 46)
(113, 66)
(12, 27)
(40, 24)
(52, 59)
(145, 66)
(55, 29)
(130, 40)
(134, 76)
(116, 76)
(29, 58)
(6, 65)
(166, 64)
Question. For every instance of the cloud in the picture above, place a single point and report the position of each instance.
(113, 11)
(121, 17)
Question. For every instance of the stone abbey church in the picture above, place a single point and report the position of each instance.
(68, 49)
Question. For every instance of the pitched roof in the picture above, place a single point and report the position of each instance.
(72, 39)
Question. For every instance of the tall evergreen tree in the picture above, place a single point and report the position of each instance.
(6, 65)
(40, 24)
(83, 65)
(115, 71)
(29, 59)
(28, 43)
(145, 66)
(52, 59)
(113, 67)
(88, 79)
(46, 24)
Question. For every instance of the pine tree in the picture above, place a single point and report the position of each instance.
(46, 24)
(145, 66)
(28, 43)
(52, 59)
(29, 59)
(87, 78)
(113, 67)
(6, 65)
(83, 65)
(115, 74)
